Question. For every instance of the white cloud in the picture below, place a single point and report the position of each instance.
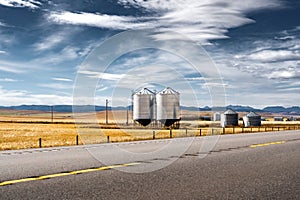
(96, 20)
(101, 89)
(62, 79)
(99, 75)
(271, 58)
(8, 80)
(18, 97)
(57, 86)
(21, 3)
(3, 52)
(50, 41)
(1, 23)
(66, 54)
(281, 74)
(274, 55)
(200, 20)
(10, 69)
(6, 39)
(17, 67)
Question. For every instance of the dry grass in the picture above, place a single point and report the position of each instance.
(23, 130)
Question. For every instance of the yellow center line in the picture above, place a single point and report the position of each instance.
(65, 174)
(266, 144)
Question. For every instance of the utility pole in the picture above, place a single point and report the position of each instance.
(106, 111)
(127, 116)
(51, 114)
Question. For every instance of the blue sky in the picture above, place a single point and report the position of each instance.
(254, 44)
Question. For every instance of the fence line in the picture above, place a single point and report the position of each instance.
(177, 133)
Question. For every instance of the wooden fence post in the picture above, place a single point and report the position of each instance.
(153, 135)
(40, 142)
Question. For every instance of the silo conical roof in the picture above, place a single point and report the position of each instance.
(144, 91)
(168, 90)
(229, 112)
(252, 114)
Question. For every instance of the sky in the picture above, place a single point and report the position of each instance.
(245, 51)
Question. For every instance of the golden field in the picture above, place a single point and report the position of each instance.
(22, 129)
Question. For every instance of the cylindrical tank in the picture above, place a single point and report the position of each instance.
(252, 119)
(229, 118)
(168, 106)
(144, 106)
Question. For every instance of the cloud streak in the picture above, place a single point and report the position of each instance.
(32, 4)
(97, 20)
(274, 55)
(62, 79)
(199, 20)
(50, 41)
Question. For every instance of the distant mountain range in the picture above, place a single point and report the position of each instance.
(88, 108)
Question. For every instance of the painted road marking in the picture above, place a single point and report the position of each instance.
(266, 144)
(102, 168)
(65, 174)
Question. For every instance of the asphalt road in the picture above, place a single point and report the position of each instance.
(241, 166)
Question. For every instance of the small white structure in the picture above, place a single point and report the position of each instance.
(229, 118)
(217, 116)
(252, 119)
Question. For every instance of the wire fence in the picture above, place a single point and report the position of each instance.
(161, 134)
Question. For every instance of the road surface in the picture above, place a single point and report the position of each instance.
(240, 166)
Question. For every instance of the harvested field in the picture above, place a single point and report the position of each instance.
(19, 130)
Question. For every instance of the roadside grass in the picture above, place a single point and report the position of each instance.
(24, 132)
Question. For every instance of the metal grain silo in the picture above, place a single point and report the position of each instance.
(168, 106)
(144, 106)
(229, 118)
(252, 119)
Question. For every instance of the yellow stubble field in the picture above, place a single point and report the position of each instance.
(23, 130)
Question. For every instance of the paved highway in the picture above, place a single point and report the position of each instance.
(241, 166)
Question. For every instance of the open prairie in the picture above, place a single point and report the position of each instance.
(25, 129)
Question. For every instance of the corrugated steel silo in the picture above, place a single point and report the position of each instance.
(168, 106)
(252, 119)
(144, 106)
(229, 118)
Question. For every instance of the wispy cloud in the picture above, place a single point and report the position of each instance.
(10, 69)
(57, 86)
(17, 67)
(274, 55)
(62, 79)
(97, 20)
(282, 74)
(268, 57)
(99, 75)
(8, 80)
(2, 24)
(66, 54)
(199, 20)
(17, 97)
(50, 41)
(33, 4)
